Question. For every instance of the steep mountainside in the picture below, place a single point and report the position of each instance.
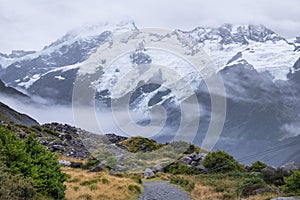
(11, 92)
(9, 115)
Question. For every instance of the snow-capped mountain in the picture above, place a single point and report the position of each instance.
(258, 66)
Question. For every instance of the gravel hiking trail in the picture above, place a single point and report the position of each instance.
(161, 190)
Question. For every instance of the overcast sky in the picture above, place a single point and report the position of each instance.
(32, 24)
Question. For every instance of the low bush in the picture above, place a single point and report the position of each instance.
(180, 168)
(292, 183)
(247, 187)
(135, 188)
(184, 183)
(274, 177)
(221, 161)
(257, 166)
(29, 159)
(140, 144)
(105, 181)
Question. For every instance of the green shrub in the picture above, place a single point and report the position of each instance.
(292, 183)
(220, 161)
(111, 161)
(85, 197)
(74, 180)
(15, 186)
(89, 182)
(191, 149)
(28, 158)
(228, 196)
(135, 188)
(247, 187)
(91, 163)
(274, 177)
(257, 166)
(137, 179)
(138, 189)
(140, 144)
(51, 132)
(93, 187)
(105, 181)
(180, 168)
(75, 188)
(186, 184)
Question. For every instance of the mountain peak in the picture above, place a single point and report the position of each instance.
(93, 30)
(243, 34)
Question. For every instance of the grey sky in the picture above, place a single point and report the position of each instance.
(32, 24)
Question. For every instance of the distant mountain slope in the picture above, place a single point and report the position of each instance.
(9, 115)
(11, 92)
(51, 72)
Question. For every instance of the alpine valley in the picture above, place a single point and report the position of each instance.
(259, 69)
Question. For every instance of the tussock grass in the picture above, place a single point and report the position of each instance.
(219, 187)
(88, 185)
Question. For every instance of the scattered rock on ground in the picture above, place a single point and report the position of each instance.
(269, 169)
(112, 172)
(186, 160)
(158, 168)
(290, 167)
(98, 168)
(120, 168)
(264, 190)
(202, 169)
(148, 173)
(64, 163)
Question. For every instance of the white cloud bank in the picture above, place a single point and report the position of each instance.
(32, 24)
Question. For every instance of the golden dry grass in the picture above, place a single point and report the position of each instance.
(84, 185)
(72, 159)
(208, 188)
(203, 192)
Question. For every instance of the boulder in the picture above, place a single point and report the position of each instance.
(193, 155)
(98, 168)
(264, 190)
(158, 168)
(64, 163)
(202, 169)
(113, 138)
(186, 160)
(112, 172)
(120, 168)
(194, 163)
(289, 168)
(268, 169)
(57, 147)
(197, 157)
(148, 173)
